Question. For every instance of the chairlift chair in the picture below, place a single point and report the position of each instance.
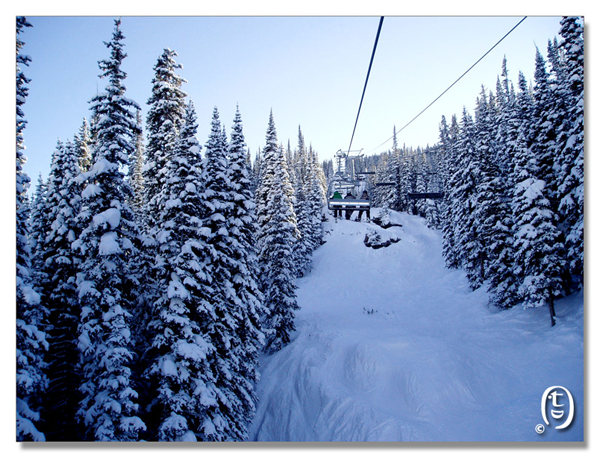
(345, 181)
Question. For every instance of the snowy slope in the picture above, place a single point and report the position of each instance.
(391, 346)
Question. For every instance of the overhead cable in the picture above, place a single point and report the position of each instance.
(449, 87)
(366, 81)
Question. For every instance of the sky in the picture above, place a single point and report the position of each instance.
(309, 70)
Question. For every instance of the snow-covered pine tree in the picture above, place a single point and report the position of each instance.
(544, 129)
(298, 179)
(291, 159)
(298, 163)
(83, 143)
(302, 248)
(107, 244)
(320, 172)
(503, 283)
(419, 181)
(39, 227)
(569, 166)
(277, 235)
(31, 338)
(164, 119)
(538, 249)
(557, 61)
(448, 136)
(506, 128)
(232, 330)
(182, 381)
(60, 268)
(327, 171)
(394, 171)
(248, 299)
(136, 178)
(464, 204)
(378, 193)
(488, 194)
(400, 202)
(256, 170)
(315, 197)
(220, 266)
(433, 210)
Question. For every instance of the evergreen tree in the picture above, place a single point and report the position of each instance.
(31, 338)
(107, 245)
(182, 379)
(498, 224)
(165, 118)
(569, 165)
(83, 144)
(433, 210)
(221, 266)
(247, 298)
(39, 228)
(449, 176)
(467, 234)
(136, 177)
(298, 180)
(557, 61)
(232, 330)
(60, 265)
(380, 197)
(315, 195)
(544, 129)
(302, 248)
(538, 250)
(396, 172)
(488, 193)
(256, 170)
(276, 238)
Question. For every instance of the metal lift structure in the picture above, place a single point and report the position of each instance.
(346, 181)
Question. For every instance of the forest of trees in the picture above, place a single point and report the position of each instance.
(512, 178)
(151, 270)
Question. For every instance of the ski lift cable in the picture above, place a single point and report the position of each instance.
(366, 81)
(449, 87)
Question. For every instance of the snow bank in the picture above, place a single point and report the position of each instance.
(391, 346)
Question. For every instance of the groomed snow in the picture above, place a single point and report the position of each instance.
(391, 346)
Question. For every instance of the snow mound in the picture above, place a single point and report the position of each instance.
(391, 346)
(379, 239)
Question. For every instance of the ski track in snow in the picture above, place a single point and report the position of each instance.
(392, 346)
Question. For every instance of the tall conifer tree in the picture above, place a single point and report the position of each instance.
(538, 249)
(245, 280)
(60, 269)
(83, 144)
(165, 118)
(277, 235)
(569, 165)
(107, 245)
(182, 381)
(31, 338)
(136, 169)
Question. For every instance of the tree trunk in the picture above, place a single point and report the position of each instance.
(551, 309)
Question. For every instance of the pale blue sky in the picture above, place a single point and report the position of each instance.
(309, 70)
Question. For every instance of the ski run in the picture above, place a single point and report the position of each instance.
(392, 346)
